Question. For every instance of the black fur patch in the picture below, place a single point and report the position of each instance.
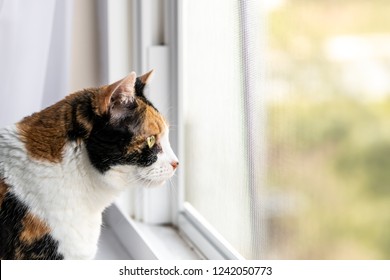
(139, 87)
(81, 109)
(147, 156)
(108, 144)
(139, 92)
(12, 213)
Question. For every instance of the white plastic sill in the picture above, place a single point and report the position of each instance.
(124, 238)
(212, 244)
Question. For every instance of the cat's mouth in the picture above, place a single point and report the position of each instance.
(153, 177)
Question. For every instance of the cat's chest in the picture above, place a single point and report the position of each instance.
(74, 224)
(77, 235)
(69, 196)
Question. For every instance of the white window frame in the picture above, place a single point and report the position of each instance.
(151, 30)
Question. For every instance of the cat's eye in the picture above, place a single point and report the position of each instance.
(151, 140)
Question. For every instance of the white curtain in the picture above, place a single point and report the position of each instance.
(34, 55)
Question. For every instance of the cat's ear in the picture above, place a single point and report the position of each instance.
(141, 83)
(145, 78)
(118, 96)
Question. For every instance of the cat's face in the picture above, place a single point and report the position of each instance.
(129, 136)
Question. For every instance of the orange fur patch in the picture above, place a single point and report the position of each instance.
(45, 133)
(3, 191)
(154, 124)
(33, 229)
(101, 101)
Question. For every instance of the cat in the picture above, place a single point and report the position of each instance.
(61, 167)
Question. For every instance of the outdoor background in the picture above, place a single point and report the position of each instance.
(328, 128)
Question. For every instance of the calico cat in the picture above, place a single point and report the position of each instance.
(61, 167)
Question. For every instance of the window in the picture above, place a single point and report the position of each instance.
(286, 109)
(221, 129)
(280, 114)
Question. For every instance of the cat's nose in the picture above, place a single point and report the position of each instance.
(174, 164)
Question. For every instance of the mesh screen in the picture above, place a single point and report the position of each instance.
(287, 133)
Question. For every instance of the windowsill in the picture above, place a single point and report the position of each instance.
(124, 238)
(167, 243)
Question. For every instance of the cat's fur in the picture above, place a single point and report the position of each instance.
(61, 167)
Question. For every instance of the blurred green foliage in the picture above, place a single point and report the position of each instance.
(328, 150)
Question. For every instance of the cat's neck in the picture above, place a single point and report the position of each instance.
(97, 190)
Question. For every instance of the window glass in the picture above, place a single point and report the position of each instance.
(287, 142)
(215, 147)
